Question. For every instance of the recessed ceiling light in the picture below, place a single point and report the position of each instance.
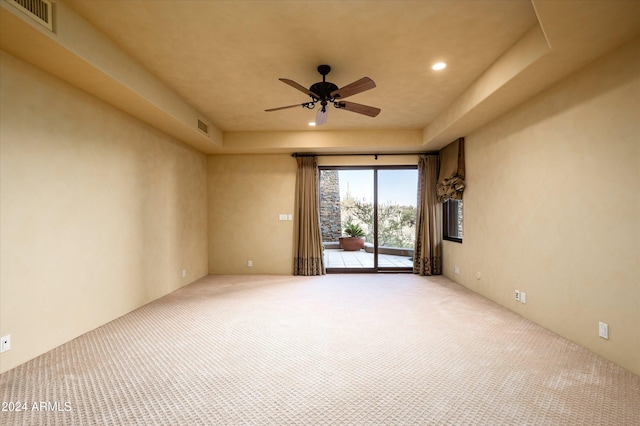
(439, 66)
(312, 124)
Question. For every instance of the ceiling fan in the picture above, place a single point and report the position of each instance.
(325, 93)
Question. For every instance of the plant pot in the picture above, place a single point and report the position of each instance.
(351, 243)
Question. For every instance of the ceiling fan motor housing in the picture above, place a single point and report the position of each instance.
(323, 89)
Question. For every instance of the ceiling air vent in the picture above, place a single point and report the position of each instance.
(38, 10)
(202, 126)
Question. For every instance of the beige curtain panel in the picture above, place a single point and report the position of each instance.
(451, 177)
(427, 259)
(308, 258)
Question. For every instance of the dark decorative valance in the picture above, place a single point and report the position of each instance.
(450, 183)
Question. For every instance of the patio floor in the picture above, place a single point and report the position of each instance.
(338, 258)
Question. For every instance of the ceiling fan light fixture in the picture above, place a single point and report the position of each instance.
(438, 66)
(326, 93)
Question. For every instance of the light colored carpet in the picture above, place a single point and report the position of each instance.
(339, 349)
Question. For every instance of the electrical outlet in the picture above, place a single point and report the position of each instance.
(5, 343)
(250, 263)
(603, 330)
(456, 270)
(517, 295)
(184, 273)
(523, 297)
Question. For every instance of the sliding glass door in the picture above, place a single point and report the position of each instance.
(396, 217)
(368, 217)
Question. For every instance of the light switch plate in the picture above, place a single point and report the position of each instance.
(5, 343)
(603, 330)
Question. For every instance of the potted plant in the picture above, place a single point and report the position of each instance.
(354, 239)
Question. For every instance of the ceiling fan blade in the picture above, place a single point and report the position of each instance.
(365, 83)
(321, 116)
(285, 107)
(299, 87)
(359, 108)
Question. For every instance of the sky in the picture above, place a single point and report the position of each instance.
(397, 186)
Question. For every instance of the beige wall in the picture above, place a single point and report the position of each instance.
(247, 193)
(368, 160)
(552, 208)
(317, 140)
(99, 213)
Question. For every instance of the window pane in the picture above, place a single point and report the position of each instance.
(452, 216)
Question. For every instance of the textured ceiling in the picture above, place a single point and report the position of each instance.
(172, 63)
(225, 57)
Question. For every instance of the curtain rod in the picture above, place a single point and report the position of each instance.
(297, 154)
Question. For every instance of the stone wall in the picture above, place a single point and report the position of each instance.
(330, 219)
